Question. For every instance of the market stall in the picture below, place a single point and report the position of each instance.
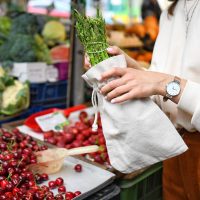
(45, 104)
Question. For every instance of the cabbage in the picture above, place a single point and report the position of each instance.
(54, 32)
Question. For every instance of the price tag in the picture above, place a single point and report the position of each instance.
(53, 121)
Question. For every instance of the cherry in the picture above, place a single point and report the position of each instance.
(8, 157)
(9, 195)
(15, 191)
(48, 134)
(15, 181)
(77, 193)
(31, 184)
(3, 146)
(3, 197)
(49, 195)
(78, 167)
(7, 134)
(9, 186)
(45, 188)
(80, 137)
(39, 195)
(29, 176)
(44, 177)
(62, 189)
(50, 198)
(5, 165)
(59, 197)
(59, 181)
(13, 163)
(69, 195)
(2, 171)
(4, 184)
(38, 178)
(83, 116)
(52, 184)
(69, 137)
(98, 159)
(27, 151)
(2, 157)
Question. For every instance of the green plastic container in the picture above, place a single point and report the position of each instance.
(146, 186)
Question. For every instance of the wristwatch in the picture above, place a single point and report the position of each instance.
(172, 89)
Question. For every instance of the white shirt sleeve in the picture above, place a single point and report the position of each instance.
(190, 102)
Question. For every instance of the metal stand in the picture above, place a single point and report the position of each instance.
(75, 91)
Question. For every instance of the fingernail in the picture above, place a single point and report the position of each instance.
(113, 101)
(110, 49)
(106, 97)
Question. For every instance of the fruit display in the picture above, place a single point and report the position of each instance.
(17, 181)
(137, 39)
(79, 133)
(149, 28)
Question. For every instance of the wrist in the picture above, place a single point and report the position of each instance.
(166, 79)
(161, 86)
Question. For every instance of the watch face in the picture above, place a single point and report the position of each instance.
(173, 88)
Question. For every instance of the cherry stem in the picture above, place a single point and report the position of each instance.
(9, 176)
(20, 162)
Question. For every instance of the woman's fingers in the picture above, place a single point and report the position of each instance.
(87, 64)
(123, 98)
(117, 92)
(115, 72)
(114, 50)
(112, 85)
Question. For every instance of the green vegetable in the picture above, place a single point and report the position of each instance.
(15, 98)
(25, 23)
(5, 26)
(2, 72)
(24, 48)
(54, 32)
(18, 48)
(92, 34)
(5, 80)
(41, 49)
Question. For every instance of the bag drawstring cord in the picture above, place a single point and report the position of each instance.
(95, 106)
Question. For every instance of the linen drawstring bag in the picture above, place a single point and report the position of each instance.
(137, 132)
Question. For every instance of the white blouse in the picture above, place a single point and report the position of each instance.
(175, 54)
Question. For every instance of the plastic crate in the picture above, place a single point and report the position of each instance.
(146, 186)
(45, 93)
(19, 116)
(111, 192)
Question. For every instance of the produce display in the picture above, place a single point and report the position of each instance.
(149, 28)
(14, 95)
(23, 42)
(146, 33)
(17, 182)
(78, 134)
(29, 38)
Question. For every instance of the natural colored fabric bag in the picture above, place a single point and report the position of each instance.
(137, 132)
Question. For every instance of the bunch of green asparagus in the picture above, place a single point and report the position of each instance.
(92, 34)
